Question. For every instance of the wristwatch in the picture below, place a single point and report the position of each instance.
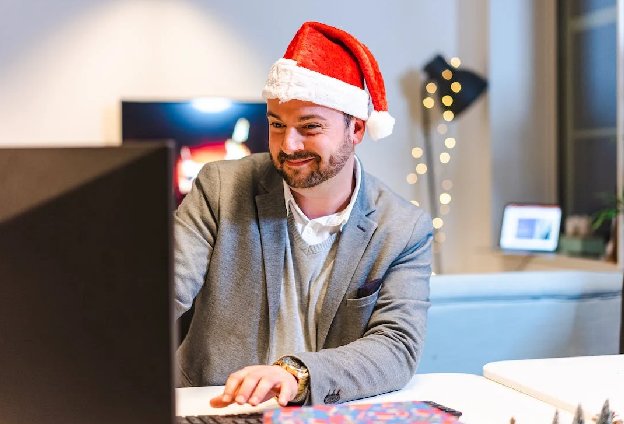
(295, 367)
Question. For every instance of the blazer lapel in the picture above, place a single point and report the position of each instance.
(273, 236)
(353, 241)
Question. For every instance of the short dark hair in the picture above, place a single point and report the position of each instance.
(347, 119)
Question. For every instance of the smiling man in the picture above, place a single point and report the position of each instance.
(310, 277)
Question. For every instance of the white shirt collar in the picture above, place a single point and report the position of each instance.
(338, 219)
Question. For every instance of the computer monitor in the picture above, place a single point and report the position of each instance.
(86, 330)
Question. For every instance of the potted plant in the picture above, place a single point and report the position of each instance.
(609, 214)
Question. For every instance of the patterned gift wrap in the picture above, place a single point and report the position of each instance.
(388, 412)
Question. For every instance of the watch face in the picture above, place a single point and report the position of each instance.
(294, 367)
(299, 373)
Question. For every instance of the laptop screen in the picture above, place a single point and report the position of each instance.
(530, 227)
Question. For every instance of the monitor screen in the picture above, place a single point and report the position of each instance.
(530, 227)
(86, 281)
(203, 129)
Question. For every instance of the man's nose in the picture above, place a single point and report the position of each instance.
(293, 141)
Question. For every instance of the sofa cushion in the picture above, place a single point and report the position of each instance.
(479, 318)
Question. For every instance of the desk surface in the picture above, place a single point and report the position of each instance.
(566, 382)
(481, 400)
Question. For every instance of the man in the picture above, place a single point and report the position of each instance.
(310, 277)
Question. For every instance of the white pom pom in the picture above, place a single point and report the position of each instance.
(380, 124)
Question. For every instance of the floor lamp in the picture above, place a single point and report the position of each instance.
(455, 89)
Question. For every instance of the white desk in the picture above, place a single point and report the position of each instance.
(566, 382)
(481, 400)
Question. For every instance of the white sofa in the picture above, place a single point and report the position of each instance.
(479, 318)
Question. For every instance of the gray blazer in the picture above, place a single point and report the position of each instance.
(229, 255)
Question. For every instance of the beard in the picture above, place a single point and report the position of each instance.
(319, 172)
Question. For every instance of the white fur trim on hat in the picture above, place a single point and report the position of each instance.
(379, 124)
(287, 81)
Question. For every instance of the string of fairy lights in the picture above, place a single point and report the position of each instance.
(443, 208)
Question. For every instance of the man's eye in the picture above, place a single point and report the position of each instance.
(276, 125)
(312, 126)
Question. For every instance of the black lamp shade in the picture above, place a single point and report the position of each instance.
(472, 85)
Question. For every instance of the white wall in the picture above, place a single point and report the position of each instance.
(65, 66)
(466, 227)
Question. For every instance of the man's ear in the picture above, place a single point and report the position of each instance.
(359, 126)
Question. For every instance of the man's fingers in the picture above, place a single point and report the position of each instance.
(287, 388)
(285, 395)
(256, 384)
(263, 391)
(232, 384)
(247, 387)
(218, 402)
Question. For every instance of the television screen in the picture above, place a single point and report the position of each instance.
(203, 129)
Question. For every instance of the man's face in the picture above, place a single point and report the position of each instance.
(309, 144)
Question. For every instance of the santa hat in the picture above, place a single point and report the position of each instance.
(329, 67)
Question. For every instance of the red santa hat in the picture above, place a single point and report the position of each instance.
(329, 67)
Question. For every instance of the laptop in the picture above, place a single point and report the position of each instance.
(530, 228)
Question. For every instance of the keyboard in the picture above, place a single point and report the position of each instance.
(247, 418)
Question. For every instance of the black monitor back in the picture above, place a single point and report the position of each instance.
(85, 285)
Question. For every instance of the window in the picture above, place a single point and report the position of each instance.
(587, 104)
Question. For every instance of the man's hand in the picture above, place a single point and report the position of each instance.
(256, 384)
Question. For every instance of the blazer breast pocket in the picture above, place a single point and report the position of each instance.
(366, 294)
(356, 314)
